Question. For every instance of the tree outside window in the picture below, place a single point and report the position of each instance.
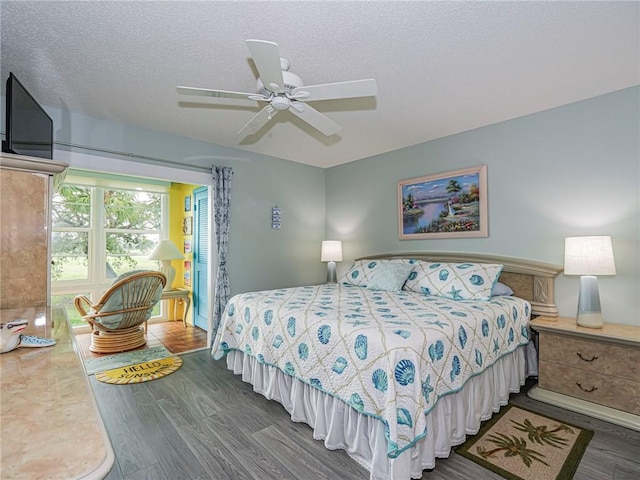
(98, 234)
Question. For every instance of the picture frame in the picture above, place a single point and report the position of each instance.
(187, 246)
(187, 203)
(444, 205)
(187, 273)
(187, 225)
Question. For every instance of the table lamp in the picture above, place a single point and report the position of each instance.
(165, 251)
(331, 252)
(588, 257)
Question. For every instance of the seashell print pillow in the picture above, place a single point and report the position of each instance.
(457, 281)
(361, 272)
(390, 277)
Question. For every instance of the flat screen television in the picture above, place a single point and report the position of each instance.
(29, 130)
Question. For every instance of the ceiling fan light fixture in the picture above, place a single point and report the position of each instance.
(280, 103)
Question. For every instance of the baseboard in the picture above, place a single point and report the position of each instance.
(607, 414)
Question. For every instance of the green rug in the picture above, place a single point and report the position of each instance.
(119, 360)
(518, 444)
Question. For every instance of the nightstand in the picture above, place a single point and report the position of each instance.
(594, 371)
(181, 296)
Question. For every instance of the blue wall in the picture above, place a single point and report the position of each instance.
(259, 257)
(569, 171)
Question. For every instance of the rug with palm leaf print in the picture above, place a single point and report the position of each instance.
(522, 445)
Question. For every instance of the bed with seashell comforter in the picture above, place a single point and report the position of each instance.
(399, 360)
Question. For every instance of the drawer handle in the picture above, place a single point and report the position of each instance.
(586, 359)
(592, 389)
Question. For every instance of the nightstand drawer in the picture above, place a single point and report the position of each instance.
(598, 357)
(593, 387)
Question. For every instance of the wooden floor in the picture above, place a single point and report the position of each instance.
(203, 422)
(174, 336)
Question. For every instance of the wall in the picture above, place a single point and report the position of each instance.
(177, 215)
(569, 171)
(259, 257)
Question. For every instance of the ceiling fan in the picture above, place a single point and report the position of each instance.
(283, 90)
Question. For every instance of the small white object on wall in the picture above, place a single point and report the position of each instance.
(276, 218)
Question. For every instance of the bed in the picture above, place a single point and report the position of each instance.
(401, 359)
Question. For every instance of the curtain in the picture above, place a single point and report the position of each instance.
(221, 209)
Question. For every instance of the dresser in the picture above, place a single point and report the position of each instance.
(594, 371)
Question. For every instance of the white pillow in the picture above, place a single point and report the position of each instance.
(361, 271)
(457, 281)
(389, 276)
(501, 290)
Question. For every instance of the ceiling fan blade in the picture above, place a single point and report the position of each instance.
(316, 119)
(331, 91)
(258, 121)
(205, 92)
(266, 56)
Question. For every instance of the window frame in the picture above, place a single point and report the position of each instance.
(97, 282)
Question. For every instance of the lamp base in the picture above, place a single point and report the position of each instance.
(589, 311)
(331, 272)
(590, 320)
(168, 271)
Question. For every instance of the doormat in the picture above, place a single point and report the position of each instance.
(518, 444)
(141, 372)
(101, 364)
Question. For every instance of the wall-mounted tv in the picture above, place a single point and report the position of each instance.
(29, 130)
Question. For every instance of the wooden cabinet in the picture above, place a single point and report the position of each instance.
(25, 206)
(592, 371)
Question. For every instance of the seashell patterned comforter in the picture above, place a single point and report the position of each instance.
(390, 355)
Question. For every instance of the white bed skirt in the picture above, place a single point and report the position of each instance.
(362, 437)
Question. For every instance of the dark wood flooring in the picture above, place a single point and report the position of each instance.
(203, 422)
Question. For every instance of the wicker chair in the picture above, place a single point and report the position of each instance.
(116, 319)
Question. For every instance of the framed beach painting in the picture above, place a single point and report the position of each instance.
(445, 205)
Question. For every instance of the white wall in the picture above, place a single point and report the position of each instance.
(569, 171)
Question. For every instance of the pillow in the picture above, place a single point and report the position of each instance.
(457, 281)
(115, 303)
(361, 271)
(389, 276)
(501, 290)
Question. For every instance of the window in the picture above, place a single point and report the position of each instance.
(102, 227)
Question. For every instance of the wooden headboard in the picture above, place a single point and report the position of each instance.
(533, 281)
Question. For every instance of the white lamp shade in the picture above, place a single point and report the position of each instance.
(331, 251)
(589, 256)
(165, 250)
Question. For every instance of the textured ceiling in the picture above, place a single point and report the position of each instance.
(441, 67)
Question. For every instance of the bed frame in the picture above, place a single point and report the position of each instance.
(530, 280)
